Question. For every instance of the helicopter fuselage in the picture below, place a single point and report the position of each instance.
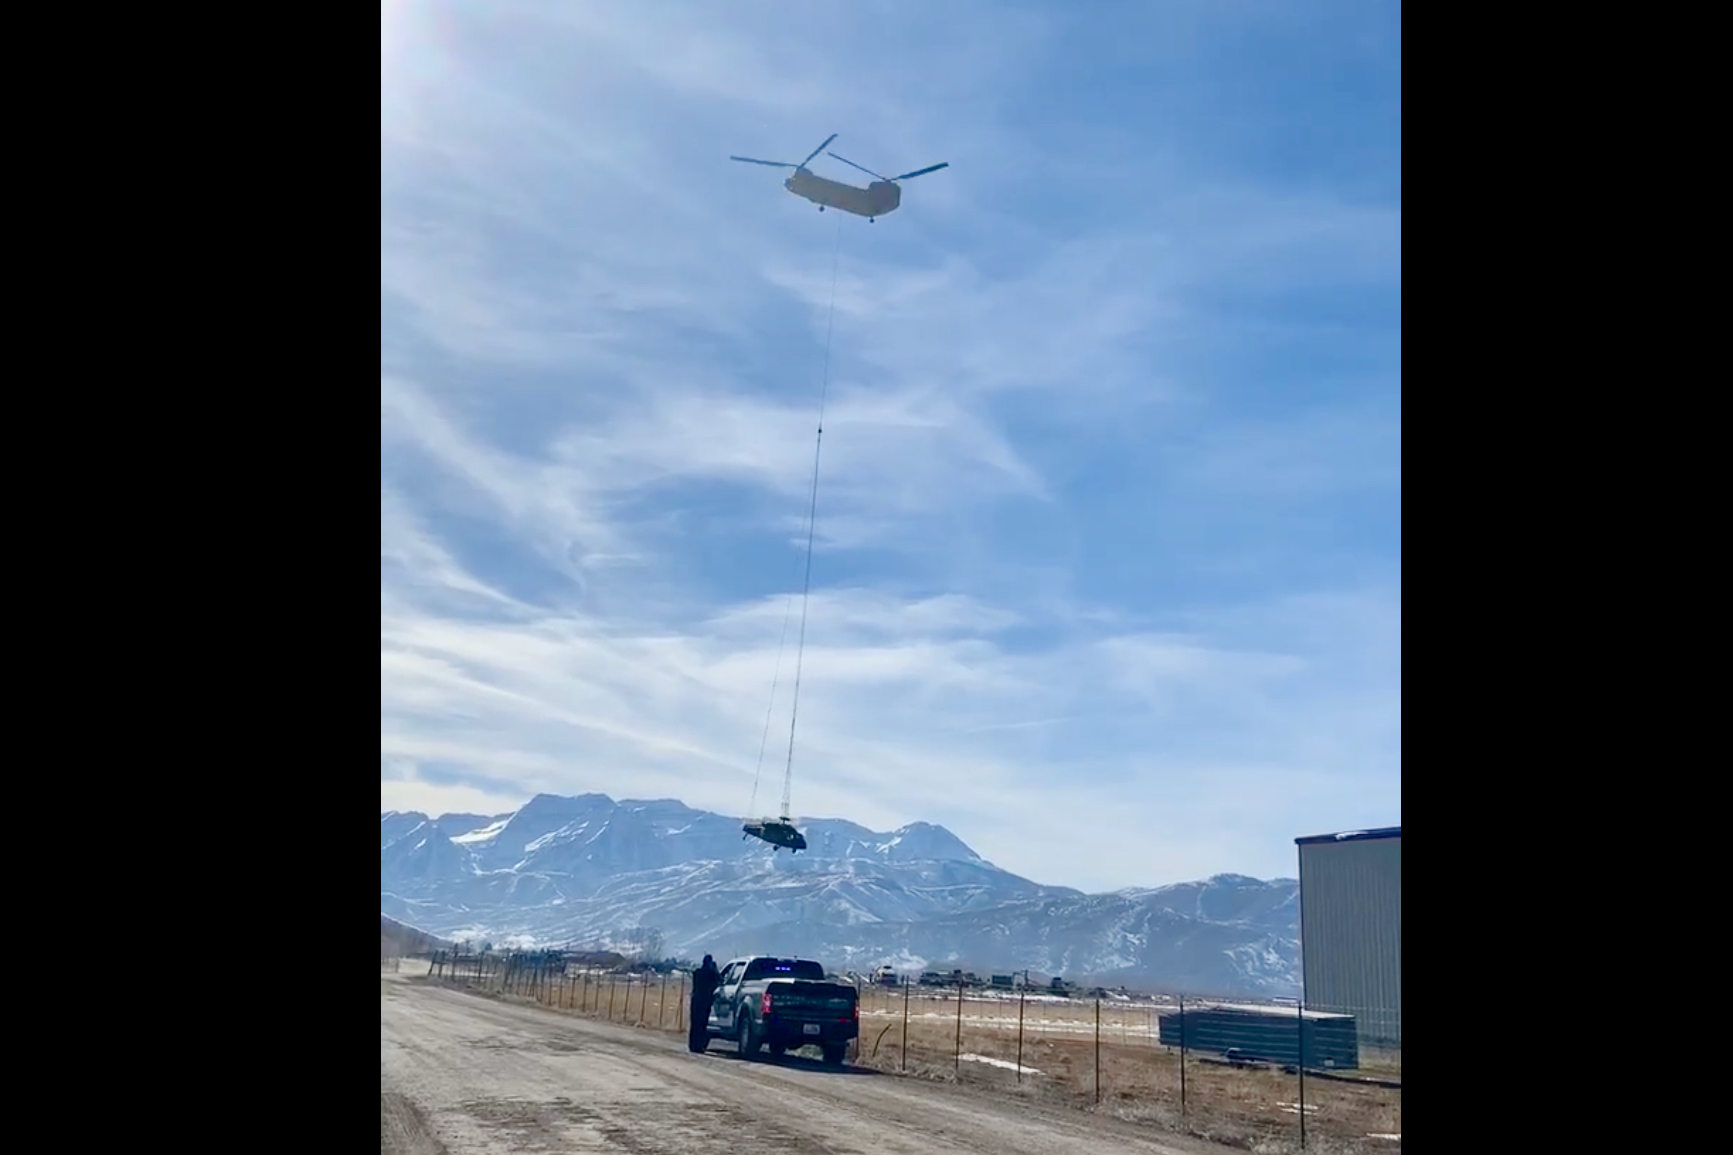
(777, 832)
(875, 200)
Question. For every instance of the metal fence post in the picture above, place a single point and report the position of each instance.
(1182, 1057)
(662, 1003)
(957, 1051)
(1098, 1050)
(905, 1059)
(1022, 993)
(1300, 1041)
(613, 983)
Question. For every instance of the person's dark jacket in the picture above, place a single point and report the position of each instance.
(704, 981)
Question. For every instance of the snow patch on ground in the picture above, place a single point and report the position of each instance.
(1004, 1063)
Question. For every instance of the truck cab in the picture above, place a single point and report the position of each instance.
(783, 1004)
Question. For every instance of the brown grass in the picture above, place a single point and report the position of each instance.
(1139, 1080)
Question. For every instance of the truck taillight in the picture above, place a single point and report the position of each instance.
(764, 1004)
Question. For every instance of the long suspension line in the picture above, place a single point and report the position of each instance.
(776, 676)
(811, 523)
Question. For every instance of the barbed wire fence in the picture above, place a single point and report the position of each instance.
(652, 995)
(1274, 1075)
(1265, 1074)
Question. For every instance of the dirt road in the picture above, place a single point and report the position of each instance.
(463, 1075)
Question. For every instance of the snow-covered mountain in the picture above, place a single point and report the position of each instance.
(592, 871)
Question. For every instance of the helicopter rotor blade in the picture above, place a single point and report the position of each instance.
(862, 167)
(817, 150)
(921, 171)
(771, 163)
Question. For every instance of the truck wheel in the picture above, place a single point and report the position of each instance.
(747, 1042)
(777, 1049)
(834, 1052)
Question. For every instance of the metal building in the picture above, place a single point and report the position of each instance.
(1267, 1034)
(1351, 929)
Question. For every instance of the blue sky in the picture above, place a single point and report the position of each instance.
(1107, 575)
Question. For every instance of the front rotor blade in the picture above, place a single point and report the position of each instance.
(922, 171)
(862, 167)
(817, 150)
(771, 163)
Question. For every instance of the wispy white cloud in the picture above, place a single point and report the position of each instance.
(1093, 588)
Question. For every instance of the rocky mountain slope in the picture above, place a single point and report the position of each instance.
(661, 877)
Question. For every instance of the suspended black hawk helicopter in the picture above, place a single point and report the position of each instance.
(875, 200)
(776, 831)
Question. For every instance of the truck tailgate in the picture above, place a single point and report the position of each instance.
(802, 999)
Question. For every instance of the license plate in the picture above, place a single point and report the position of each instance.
(810, 1028)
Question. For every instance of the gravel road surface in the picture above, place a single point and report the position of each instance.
(464, 1075)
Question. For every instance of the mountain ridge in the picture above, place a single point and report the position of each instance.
(654, 873)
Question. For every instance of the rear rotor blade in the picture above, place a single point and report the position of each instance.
(922, 171)
(818, 150)
(771, 163)
(862, 167)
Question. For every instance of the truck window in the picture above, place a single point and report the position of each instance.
(760, 968)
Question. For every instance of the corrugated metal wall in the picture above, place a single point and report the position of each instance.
(1351, 932)
(1272, 1038)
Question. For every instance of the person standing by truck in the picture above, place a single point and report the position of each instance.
(704, 980)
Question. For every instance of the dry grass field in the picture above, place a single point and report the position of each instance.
(1138, 1079)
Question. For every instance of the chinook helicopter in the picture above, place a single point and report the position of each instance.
(877, 199)
(779, 832)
